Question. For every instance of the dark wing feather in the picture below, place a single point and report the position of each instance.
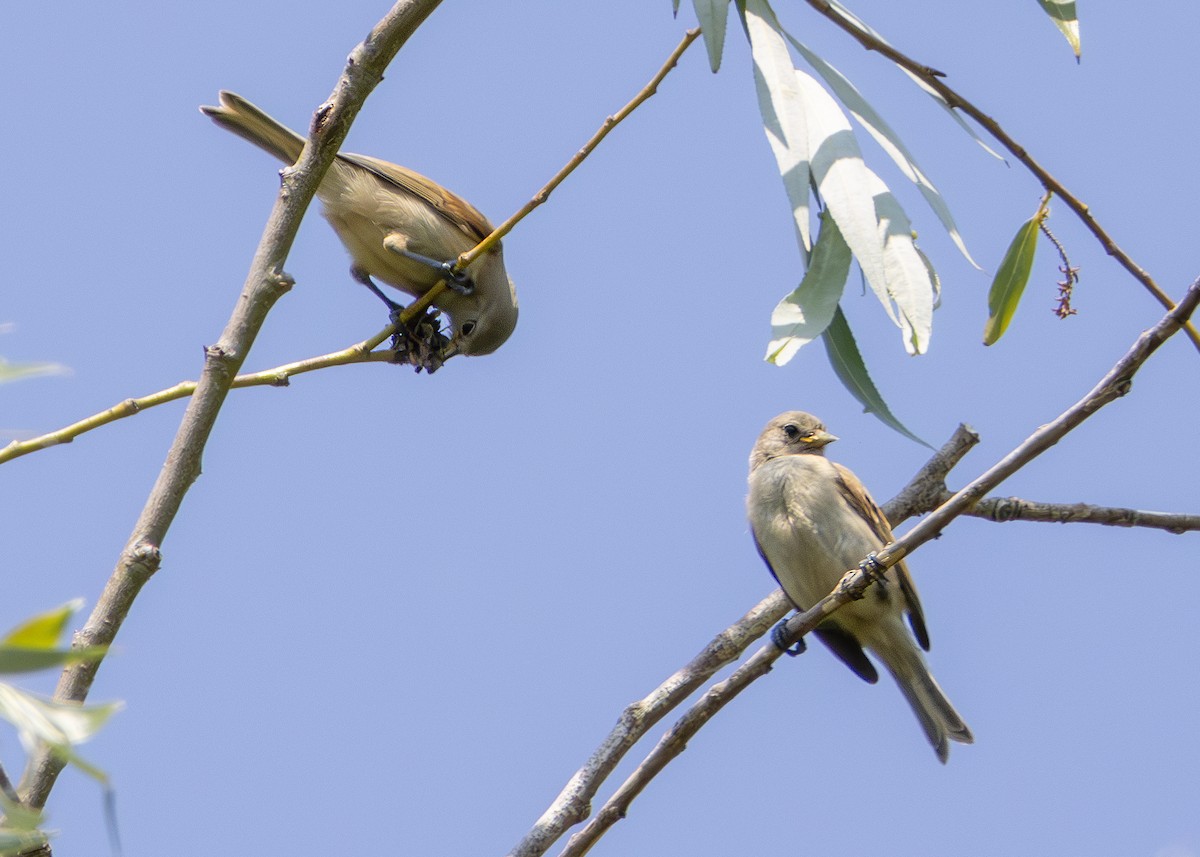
(848, 650)
(842, 644)
(450, 205)
(856, 495)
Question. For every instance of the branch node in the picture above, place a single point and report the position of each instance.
(321, 115)
(220, 360)
(280, 282)
(143, 559)
(853, 584)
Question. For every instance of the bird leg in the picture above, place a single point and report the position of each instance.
(418, 342)
(456, 280)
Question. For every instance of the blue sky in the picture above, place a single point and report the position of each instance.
(398, 611)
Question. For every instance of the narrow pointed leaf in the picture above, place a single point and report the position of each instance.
(675, 8)
(712, 15)
(908, 276)
(887, 138)
(1010, 279)
(861, 25)
(848, 364)
(17, 816)
(35, 644)
(844, 182)
(804, 314)
(17, 659)
(17, 371)
(934, 280)
(44, 630)
(1062, 13)
(870, 218)
(782, 112)
(57, 724)
(954, 114)
(14, 842)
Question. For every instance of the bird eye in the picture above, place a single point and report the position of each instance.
(468, 328)
(791, 431)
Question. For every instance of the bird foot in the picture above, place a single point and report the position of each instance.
(780, 639)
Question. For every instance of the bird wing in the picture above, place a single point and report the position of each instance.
(843, 644)
(856, 495)
(450, 205)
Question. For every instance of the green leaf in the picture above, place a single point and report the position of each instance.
(1062, 13)
(887, 138)
(17, 371)
(34, 645)
(812, 140)
(44, 630)
(675, 7)
(1011, 278)
(782, 111)
(60, 725)
(17, 659)
(712, 15)
(844, 181)
(14, 842)
(848, 364)
(805, 313)
(869, 217)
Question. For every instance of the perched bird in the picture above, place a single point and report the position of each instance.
(398, 227)
(812, 522)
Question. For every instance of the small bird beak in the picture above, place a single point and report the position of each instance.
(450, 350)
(820, 439)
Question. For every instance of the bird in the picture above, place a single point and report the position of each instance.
(401, 228)
(812, 521)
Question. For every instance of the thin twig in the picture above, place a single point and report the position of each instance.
(934, 80)
(1115, 384)
(1004, 509)
(611, 122)
(265, 283)
(362, 352)
(927, 490)
(277, 377)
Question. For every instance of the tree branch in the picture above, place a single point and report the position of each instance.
(277, 377)
(265, 283)
(933, 79)
(573, 803)
(927, 490)
(1005, 509)
(1113, 385)
(363, 352)
(611, 122)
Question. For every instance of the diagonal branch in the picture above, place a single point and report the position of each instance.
(1005, 509)
(573, 803)
(934, 80)
(927, 490)
(363, 351)
(1115, 384)
(265, 283)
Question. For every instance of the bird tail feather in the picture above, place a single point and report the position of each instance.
(238, 115)
(928, 702)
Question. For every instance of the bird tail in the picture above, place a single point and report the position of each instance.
(933, 710)
(238, 115)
